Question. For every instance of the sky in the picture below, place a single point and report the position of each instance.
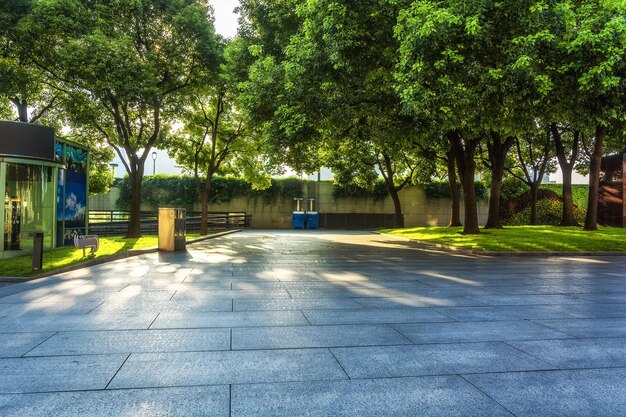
(225, 18)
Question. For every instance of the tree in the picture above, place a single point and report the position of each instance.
(534, 159)
(440, 150)
(327, 71)
(567, 145)
(367, 153)
(22, 84)
(459, 65)
(273, 106)
(598, 46)
(497, 151)
(123, 66)
(215, 140)
(577, 54)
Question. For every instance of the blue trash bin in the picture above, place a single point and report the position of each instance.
(312, 219)
(298, 220)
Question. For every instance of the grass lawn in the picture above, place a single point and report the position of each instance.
(66, 256)
(523, 238)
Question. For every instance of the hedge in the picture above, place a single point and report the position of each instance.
(180, 191)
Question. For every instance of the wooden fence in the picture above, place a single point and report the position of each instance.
(115, 223)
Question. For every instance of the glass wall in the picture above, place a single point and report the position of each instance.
(29, 205)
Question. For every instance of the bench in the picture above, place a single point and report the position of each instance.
(87, 242)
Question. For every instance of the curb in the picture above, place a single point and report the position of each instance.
(110, 258)
(442, 247)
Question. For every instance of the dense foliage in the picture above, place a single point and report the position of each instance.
(441, 189)
(385, 93)
(181, 191)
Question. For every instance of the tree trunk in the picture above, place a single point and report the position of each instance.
(204, 197)
(22, 109)
(134, 222)
(568, 200)
(497, 158)
(464, 155)
(567, 166)
(204, 213)
(399, 218)
(591, 220)
(534, 190)
(455, 213)
(493, 218)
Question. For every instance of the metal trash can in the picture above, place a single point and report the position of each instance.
(172, 230)
(312, 216)
(298, 219)
(312, 220)
(37, 251)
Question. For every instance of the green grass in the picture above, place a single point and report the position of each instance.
(67, 256)
(523, 238)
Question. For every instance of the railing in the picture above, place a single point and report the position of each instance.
(115, 223)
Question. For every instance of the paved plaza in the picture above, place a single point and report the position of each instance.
(270, 323)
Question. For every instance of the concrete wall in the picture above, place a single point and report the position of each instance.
(418, 211)
(105, 201)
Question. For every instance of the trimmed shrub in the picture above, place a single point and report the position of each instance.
(516, 210)
(377, 190)
(180, 191)
(514, 205)
(441, 189)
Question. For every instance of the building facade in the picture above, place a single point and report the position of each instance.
(44, 182)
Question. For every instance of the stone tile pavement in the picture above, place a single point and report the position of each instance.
(315, 323)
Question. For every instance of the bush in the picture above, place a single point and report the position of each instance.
(512, 187)
(180, 191)
(513, 205)
(516, 210)
(548, 212)
(441, 189)
(377, 190)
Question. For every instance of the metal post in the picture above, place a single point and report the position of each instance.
(37, 251)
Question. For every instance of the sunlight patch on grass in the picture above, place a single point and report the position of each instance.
(523, 238)
(67, 256)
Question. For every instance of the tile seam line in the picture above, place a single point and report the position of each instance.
(392, 326)
(95, 308)
(39, 344)
(230, 399)
(152, 322)
(304, 382)
(536, 321)
(339, 363)
(486, 395)
(530, 354)
(116, 372)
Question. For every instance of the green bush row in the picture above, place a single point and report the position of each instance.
(181, 191)
(441, 189)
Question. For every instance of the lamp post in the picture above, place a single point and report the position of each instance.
(154, 156)
(113, 166)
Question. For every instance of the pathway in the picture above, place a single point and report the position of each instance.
(268, 323)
